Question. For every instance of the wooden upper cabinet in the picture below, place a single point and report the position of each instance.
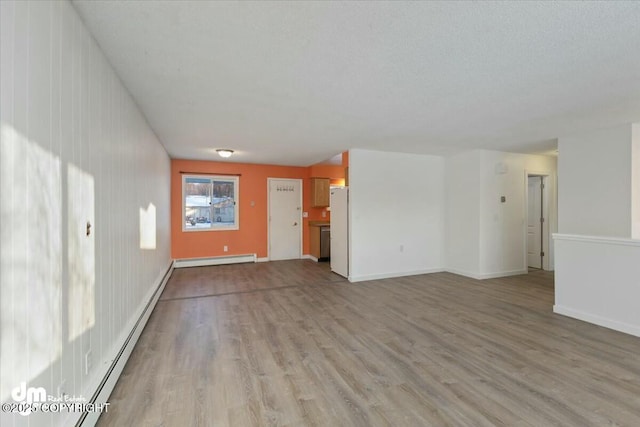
(319, 192)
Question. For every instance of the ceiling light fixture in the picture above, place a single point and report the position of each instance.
(225, 152)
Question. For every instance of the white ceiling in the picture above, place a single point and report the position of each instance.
(297, 82)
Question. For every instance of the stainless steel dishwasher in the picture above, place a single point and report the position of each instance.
(325, 243)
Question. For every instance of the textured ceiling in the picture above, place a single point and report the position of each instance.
(297, 82)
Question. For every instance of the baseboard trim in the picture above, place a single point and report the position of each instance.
(221, 260)
(462, 273)
(305, 256)
(108, 382)
(379, 276)
(598, 320)
(485, 276)
(497, 275)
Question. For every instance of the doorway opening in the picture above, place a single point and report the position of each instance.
(537, 223)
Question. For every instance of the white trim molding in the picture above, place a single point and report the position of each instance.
(597, 239)
(598, 320)
(379, 276)
(120, 352)
(484, 276)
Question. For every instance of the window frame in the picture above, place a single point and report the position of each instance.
(236, 199)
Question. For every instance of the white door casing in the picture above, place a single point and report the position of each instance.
(534, 224)
(285, 218)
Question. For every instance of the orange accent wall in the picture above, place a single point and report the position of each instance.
(326, 171)
(252, 235)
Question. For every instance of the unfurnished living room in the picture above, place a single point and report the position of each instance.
(319, 213)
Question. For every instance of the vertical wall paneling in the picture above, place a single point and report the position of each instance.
(74, 149)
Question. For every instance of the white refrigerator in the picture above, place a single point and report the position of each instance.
(340, 231)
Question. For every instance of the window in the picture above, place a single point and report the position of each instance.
(210, 203)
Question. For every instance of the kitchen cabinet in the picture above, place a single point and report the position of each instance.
(319, 192)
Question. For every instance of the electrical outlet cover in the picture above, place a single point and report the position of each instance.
(88, 362)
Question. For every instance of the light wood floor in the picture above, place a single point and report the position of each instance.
(291, 344)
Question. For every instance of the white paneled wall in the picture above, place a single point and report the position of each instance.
(74, 149)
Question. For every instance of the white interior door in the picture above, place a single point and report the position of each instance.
(534, 223)
(285, 219)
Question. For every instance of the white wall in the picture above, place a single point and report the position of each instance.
(635, 181)
(462, 241)
(597, 281)
(413, 201)
(485, 237)
(594, 177)
(74, 148)
(597, 274)
(396, 214)
(503, 225)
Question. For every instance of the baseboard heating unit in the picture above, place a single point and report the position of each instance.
(219, 260)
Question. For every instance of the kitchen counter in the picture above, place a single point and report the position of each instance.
(319, 223)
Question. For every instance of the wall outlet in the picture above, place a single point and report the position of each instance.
(305, 214)
(324, 214)
(62, 389)
(225, 248)
(88, 362)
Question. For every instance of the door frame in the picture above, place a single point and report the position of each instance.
(269, 180)
(546, 225)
